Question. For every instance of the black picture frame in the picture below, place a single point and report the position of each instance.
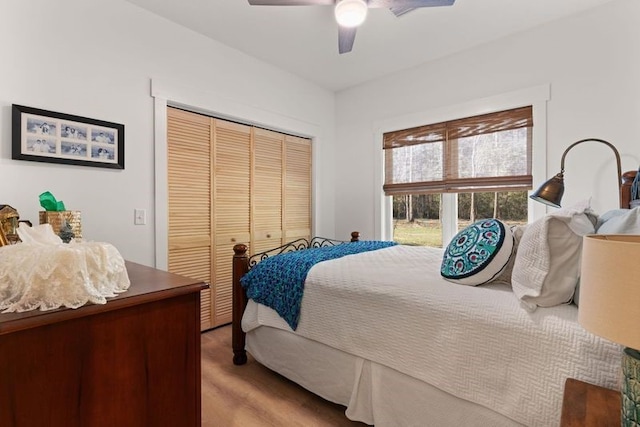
(48, 136)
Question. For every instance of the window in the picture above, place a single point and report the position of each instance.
(468, 169)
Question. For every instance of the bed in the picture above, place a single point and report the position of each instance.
(383, 333)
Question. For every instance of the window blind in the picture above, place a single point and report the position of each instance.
(489, 152)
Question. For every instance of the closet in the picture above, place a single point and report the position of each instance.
(231, 183)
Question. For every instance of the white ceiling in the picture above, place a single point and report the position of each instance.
(304, 39)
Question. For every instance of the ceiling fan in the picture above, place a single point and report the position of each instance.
(351, 13)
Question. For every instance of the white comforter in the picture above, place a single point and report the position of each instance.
(391, 306)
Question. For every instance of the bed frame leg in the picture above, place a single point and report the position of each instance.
(240, 268)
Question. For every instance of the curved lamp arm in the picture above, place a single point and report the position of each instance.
(550, 193)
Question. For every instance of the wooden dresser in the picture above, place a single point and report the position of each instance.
(134, 361)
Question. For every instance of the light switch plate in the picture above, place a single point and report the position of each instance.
(139, 216)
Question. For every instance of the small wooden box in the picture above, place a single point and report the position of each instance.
(57, 219)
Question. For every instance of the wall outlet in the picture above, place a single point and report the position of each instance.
(139, 216)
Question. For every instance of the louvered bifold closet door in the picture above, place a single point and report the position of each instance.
(189, 176)
(231, 195)
(266, 190)
(297, 188)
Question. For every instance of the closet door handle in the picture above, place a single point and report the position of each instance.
(233, 239)
(268, 236)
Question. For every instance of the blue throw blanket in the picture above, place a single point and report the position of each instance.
(278, 282)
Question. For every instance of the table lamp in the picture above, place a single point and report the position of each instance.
(550, 193)
(610, 306)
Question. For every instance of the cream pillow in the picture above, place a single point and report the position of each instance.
(505, 275)
(547, 265)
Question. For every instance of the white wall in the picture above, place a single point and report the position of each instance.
(592, 65)
(96, 59)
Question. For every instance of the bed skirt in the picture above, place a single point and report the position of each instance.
(372, 393)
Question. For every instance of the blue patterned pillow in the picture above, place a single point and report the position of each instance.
(477, 254)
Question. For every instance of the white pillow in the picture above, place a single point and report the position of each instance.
(619, 221)
(547, 265)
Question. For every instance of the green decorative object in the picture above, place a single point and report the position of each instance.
(631, 388)
(49, 202)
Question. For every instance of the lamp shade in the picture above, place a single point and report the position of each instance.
(351, 13)
(550, 193)
(610, 289)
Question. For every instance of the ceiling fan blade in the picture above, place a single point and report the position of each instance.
(399, 11)
(346, 37)
(290, 2)
(406, 4)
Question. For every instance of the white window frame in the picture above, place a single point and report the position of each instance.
(536, 96)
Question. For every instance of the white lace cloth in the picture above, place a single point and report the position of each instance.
(44, 273)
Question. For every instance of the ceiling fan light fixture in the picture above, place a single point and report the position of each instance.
(351, 13)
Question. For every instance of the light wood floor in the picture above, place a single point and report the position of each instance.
(252, 395)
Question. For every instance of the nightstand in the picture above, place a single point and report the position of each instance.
(588, 405)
